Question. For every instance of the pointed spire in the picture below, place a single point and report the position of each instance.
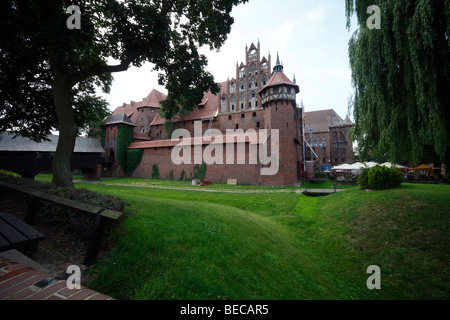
(278, 67)
(295, 80)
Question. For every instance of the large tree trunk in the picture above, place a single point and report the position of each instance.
(68, 130)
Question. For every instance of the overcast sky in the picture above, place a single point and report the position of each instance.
(310, 36)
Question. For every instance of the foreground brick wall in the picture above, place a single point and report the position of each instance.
(219, 173)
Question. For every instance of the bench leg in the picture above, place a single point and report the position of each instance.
(95, 241)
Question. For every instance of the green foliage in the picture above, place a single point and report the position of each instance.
(401, 75)
(170, 177)
(134, 157)
(405, 231)
(103, 136)
(200, 171)
(124, 138)
(363, 179)
(155, 172)
(183, 175)
(380, 177)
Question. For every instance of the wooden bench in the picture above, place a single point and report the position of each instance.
(102, 215)
(16, 234)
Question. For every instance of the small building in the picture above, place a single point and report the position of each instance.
(29, 158)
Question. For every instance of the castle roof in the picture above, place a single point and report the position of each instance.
(153, 100)
(322, 120)
(10, 142)
(228, 137)
(279, 78)
(208, 107)
(118, 118)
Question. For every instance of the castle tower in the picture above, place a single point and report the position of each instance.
(280, 110)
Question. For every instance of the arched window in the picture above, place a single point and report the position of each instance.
(241, 102)
(253, 69)
(253, 84)
(253, 100)
(223, 104)
(233, 103)
(263, 81)
(242, 86)
(233, 87)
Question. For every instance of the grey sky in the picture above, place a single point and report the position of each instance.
(310, 36)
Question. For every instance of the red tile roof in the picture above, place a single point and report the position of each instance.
(279, 78)
(229, 137)
(141, 136)
(130, 109)
(210, 108)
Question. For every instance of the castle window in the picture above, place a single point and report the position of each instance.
(242, 116)
(229, 117)
(275, 90)
(237, 126)
(153, 110)
(288, 90)
(242, 86)
(233, 102)
(264, 80)
(258, 124)
(254, 114)
(242, 101)
(223, 105)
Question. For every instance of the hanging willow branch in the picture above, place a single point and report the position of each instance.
(401, 79)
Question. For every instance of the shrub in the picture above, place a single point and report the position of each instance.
(396, 177)
(363, 180)
(381, 177)
(183, 175)
(155, 172)
(170, 177)
(200, 171)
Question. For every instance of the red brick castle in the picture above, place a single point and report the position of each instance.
(259, 98)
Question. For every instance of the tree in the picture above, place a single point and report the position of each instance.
(166, 33)
(401, 77)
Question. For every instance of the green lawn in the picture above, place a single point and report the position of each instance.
(216, 245)
(47, 177)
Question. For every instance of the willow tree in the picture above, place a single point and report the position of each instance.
(72, 47)
(401, 77)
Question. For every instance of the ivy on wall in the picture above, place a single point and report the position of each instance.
(134, 157)
(128, 159)
(103, 137)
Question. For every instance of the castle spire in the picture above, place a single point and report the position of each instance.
(278, 67)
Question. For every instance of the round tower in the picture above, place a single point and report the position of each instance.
(278, 99)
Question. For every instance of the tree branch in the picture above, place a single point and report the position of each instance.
(97, 69)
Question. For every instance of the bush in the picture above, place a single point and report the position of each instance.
(170, 177)
(155, 172)
(363, 180)
(381, 177)
(200, 171)
(183, 175)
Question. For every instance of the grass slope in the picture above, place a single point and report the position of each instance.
(200, 245)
